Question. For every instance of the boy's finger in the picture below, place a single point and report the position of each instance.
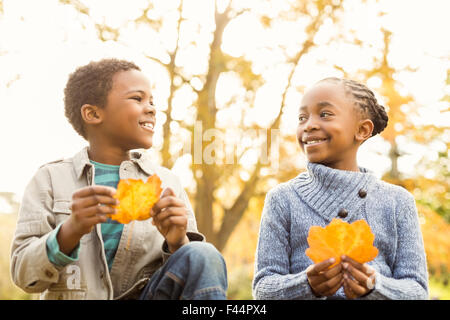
(95, 210)
(168, 201)
(92, 190)
(93, 200)
(167, 192)
(180, 221)
(172, 211)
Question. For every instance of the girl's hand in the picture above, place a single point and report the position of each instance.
(324, 281)
(359, 279)
(170, 218)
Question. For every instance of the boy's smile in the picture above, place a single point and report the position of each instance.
(327, 126)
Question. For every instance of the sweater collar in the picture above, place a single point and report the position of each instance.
(328, 190)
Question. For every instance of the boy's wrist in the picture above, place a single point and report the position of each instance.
(174, 247)
(67, 237)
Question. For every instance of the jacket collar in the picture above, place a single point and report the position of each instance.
(81, 161)
(328, 190)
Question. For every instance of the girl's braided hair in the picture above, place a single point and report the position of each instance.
(365, 99)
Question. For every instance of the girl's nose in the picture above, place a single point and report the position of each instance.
(311, 124)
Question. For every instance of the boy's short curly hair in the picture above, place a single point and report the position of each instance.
(90, 84)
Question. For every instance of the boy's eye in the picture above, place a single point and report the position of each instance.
(137, 98)
(325, 114)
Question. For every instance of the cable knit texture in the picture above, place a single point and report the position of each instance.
(315, 197)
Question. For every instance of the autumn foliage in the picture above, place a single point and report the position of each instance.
(339, 238)
(136, 198)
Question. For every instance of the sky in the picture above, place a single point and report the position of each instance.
(42, 42)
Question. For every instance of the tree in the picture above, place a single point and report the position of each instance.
(217, 216)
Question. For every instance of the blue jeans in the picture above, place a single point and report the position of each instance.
(196, 271)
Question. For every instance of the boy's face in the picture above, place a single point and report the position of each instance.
(328, 122)
(128, 119)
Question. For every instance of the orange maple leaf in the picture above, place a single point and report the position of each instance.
(339, 238)
(136, 198)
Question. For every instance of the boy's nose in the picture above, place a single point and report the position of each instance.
(150, 109)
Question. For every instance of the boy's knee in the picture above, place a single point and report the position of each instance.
(201, 253)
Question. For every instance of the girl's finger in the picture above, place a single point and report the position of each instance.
(357, 274)
(329, 285)
(348, 291)
(358, 289)
(315, 269)
(362, 267)
(331, 273)
(335, 288)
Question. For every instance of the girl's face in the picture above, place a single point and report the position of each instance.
(328, 123)
(129, 114)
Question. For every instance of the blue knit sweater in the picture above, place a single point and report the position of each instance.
(315, 197)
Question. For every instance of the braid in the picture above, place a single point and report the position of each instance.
(368, 104)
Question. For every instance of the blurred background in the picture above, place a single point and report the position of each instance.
(240, 68)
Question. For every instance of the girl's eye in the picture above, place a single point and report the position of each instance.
(137, 98)
(302, 118)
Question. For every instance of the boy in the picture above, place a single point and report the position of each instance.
(65, 247)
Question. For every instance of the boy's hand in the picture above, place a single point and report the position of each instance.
(170, 217)
(89, 207)
(324, 281)
(359, 279)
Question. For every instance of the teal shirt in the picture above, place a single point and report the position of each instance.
(106, 175)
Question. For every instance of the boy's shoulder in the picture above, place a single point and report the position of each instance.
(54, 162)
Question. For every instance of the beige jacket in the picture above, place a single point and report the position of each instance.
(46, 204)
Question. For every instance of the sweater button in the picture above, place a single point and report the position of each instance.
(362, 193)
(343, 213)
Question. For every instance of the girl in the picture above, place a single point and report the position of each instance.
(336, 116)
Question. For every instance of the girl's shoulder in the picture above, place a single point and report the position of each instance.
(283, 193)
(385, 189)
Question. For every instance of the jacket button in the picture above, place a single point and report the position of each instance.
(343, 213)
(362, 193)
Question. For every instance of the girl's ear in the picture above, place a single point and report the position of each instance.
(91, 114)
(365, 129)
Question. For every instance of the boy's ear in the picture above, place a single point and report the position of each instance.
(365, 129)
(91, 114)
